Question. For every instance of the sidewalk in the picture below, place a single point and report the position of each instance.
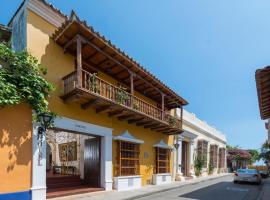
(144, 191)
(265, 193)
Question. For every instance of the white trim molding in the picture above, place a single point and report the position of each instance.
(46, 13)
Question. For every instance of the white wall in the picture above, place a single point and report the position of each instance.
(203, 131)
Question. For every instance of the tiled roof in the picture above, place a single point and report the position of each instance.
(74, 16)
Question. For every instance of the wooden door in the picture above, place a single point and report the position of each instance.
(92, 162)
(184, 158)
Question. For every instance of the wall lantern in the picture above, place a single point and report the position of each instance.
(176, 145)
(45, 120)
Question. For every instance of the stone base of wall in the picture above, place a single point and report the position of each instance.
(159, 179)
(122, 183)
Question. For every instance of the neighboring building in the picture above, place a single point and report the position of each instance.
(238, 158)
(5, 33)
(199, 138)
(263, 89)
(105, 136)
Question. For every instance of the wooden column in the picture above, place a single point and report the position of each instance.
(131, 88)
(162, 105)
(79, 62)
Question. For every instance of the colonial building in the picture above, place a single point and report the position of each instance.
(263, 89)
(199, 139)
(114, 129)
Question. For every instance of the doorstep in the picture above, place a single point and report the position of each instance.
(139, 193)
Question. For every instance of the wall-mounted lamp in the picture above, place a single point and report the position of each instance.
(45, 120)
(176, 145)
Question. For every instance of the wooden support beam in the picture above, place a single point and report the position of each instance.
(89, 103)
(116, 112)
(70, 42)
(151, 125)
(131, 89)
(162, 105)
(126, 117)
(79, 62)
(103, 108)
(162, 129)
(132, 121)
(158, 127)
(143, 123)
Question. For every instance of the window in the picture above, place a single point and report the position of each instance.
(221, 157)
(202, 151)
(213, 155)
(162, 160)
(128, 158)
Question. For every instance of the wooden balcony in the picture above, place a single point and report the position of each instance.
(92, 91)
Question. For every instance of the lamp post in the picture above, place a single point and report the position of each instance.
(45, 120)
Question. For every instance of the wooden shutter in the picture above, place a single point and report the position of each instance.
(128, 158)
(162, 160)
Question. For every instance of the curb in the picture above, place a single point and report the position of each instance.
(174, 187)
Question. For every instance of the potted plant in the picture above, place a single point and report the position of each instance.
(121, 95)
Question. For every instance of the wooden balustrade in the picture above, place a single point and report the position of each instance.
(93, 84)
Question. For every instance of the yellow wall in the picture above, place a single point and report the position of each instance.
(59, 64)
(15, 148)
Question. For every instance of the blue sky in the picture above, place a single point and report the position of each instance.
(207, 51)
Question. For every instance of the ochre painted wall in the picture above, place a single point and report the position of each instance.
(15, 148)
(59, 64)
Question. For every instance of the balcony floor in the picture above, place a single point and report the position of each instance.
(103, 105)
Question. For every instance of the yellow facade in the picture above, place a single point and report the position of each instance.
(59, 64)
(15, 148)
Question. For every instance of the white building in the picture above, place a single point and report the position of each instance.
(198, 139)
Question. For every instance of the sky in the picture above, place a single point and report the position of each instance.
(207, 51)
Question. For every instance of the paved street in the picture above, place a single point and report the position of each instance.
(218, 189)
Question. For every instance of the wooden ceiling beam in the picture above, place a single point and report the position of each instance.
(70, 42)
(85, 40)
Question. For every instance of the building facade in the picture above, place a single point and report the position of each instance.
(199, 139)
(262, 77)
(118, 126)
(114, 129)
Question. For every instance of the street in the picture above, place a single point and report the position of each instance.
(218, 189)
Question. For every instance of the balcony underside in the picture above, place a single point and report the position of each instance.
(88, 100)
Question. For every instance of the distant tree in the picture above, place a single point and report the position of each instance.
(265, 152)
(255, 155)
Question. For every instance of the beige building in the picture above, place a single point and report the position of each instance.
(199, 138)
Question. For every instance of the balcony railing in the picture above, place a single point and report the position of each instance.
(91, 83)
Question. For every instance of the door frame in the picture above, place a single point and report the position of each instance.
(39, 171)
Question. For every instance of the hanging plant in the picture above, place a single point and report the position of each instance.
(21, 80)
(136, 105)
(92, 83)
(121, 95)
(172, 120)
